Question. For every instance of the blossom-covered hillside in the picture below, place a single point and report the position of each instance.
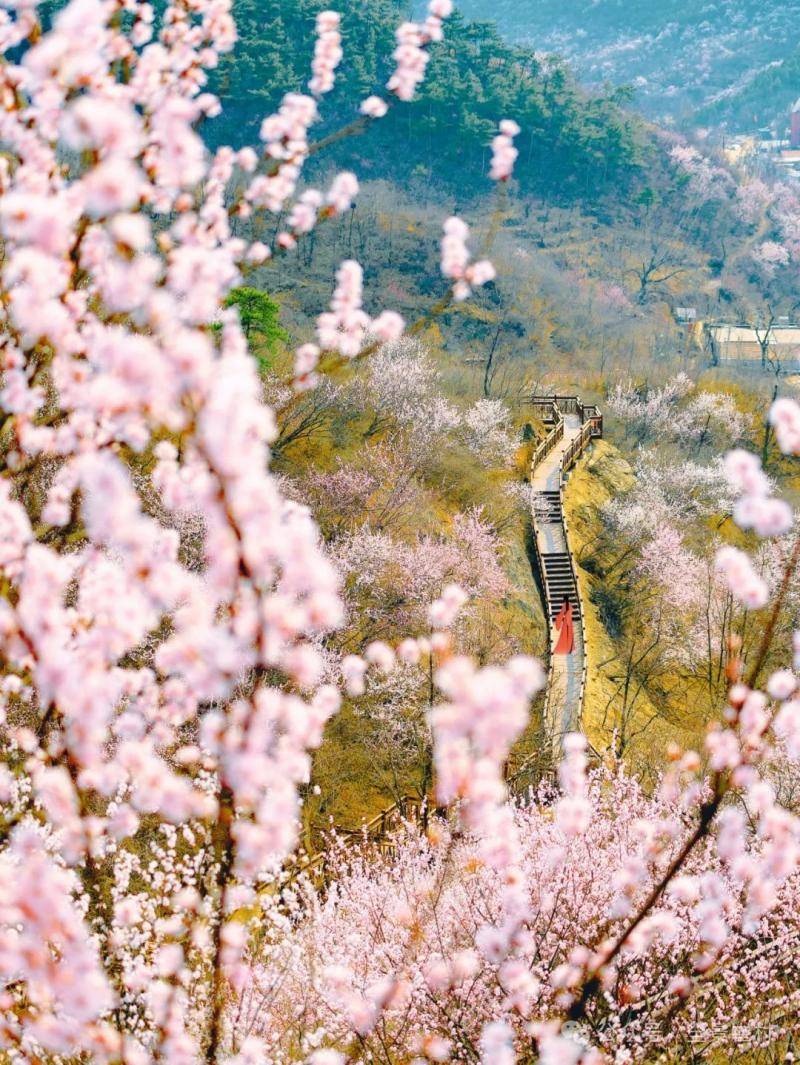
(678, 56)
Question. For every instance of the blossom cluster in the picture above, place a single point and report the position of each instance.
(455, 262)
(756, 507)
(411, 55)
(163, 601)
(327, 52)
(504, 154)
(671, 411)
(705, 181)
(746, 585)
(345, 326)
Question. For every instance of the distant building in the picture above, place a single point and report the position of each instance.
(788, 160)
(685, 314)
(747, 345)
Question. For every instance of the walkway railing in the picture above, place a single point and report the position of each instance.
(378, 831)
(556, 406)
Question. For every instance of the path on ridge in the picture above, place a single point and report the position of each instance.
(567, 672)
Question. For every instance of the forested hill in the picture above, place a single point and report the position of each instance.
(679, 54)
(764, 101)
(573, 143)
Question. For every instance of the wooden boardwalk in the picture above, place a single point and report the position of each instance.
(572, 426)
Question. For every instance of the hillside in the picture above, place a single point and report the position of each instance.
(575, 143)
(296, 766)
(678, 55)
(764, 100)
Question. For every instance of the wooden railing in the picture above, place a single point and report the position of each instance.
(378, 831)
(577, 446)
(591, 429)
(549, 442)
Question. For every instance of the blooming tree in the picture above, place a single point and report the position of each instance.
(704, 180)
(407, 939)
(401, 387)
(487, 432)
(672, 412)
(770, 255)
(395, 581)
(666, 492)
(752, 199)
(163, 602)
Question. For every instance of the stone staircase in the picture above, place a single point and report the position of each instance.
(571, 425)
(560, 581)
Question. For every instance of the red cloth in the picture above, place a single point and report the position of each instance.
(566, 631)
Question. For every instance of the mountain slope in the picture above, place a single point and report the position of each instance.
(764, 100)
(575, 144)
(679, 54)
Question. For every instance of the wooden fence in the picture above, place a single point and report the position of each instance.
(379, 831)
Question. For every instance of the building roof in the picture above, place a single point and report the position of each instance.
(744, 334)
(796, 105)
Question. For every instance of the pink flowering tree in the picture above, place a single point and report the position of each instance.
(487, 433)
(770, 255)
(389, 584)
(400, 389)
(399, 954)
(589, 920)
(753, 197)
(163, 601)
(704, 180)
(671, 567)
(677, 411)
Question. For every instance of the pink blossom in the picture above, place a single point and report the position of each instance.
(444, 611)
(411, 59)
(785, 417)
(387, 327)
(781, 684)
(327, 52)
(744, 472)
(770, 255)
(743, 581)
(455, 261)
(373, 107)
(504, 154)
(343, 190)
(497, 1046)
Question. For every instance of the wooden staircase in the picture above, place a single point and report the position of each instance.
(549, 512)
(558, 579)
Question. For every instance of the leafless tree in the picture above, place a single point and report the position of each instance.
(657, 266)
